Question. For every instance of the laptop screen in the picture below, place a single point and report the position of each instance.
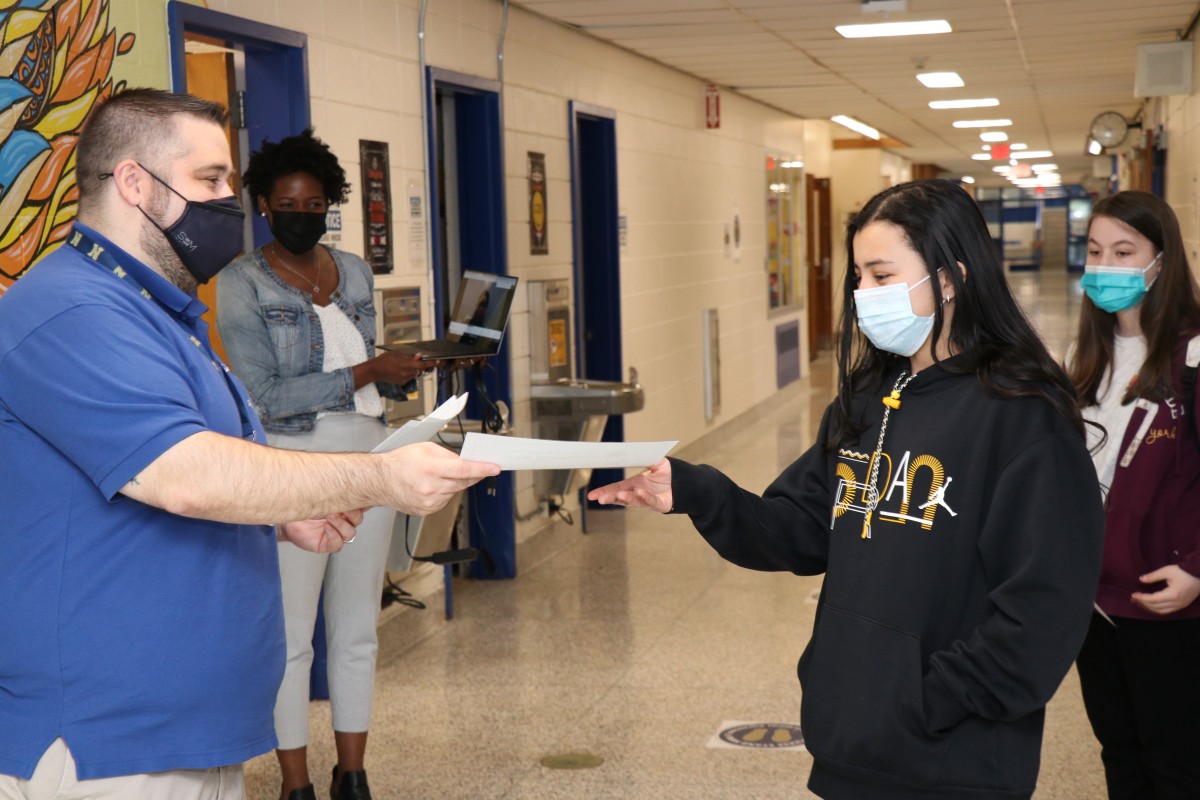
(481, 309)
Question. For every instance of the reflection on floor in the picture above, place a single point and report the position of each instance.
(633, 643)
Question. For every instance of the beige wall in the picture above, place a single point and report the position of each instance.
(678, 182)
(857, 176)
(1180, 118)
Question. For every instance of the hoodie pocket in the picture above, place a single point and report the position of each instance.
(1123, 562)
(862, 705)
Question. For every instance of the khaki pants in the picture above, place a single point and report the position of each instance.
(54, 779)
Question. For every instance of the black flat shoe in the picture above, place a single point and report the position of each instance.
(349, 786)
(303, 793)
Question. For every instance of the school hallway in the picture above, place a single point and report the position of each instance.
(634, 643)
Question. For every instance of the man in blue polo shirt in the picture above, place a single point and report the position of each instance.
(141, 638)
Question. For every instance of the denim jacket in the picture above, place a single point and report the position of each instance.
(275, 345)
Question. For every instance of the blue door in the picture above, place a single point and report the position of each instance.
(597, 257)
(467, 219)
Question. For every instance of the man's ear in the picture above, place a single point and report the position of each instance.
(132, 182)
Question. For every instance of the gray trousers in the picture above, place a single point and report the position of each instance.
(353, 583)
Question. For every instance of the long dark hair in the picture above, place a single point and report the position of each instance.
(988, 330)
(1170, 309)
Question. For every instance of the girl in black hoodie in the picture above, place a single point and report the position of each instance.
(958, 522)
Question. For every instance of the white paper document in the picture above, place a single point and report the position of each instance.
(511, 452)
(422, 430)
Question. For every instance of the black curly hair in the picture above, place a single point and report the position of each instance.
(292, 154)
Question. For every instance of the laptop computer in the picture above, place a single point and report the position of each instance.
(477, 323)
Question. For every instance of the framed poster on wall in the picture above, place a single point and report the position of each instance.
(377, 205)
(538, 245)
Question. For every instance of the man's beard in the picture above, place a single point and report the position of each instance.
(154, 243)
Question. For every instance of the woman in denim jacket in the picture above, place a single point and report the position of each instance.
(298, 324)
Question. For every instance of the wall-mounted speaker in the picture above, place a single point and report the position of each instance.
(1163, 69)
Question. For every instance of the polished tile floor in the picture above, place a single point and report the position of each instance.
(633, 643)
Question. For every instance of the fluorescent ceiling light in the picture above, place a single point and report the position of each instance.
(1033, 154)
(1018, 146)
(792, 164)
(1001, 170)
(1044, 167)
(979, 102)
(982, 123)
(981, 157)
(967, 179)
(875, 29)
(1095, 148)
(855, 125)
(940, 80)
(994, 136)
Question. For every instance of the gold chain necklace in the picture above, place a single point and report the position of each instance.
(892, 401)
(316, 287)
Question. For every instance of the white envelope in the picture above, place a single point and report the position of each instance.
(512, 452)
(422, 430)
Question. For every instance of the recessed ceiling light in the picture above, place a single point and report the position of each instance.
(967, 179)
(893, 29)
(982, 123)
(1034, 154)
(980, 102)
(981, 157)
(855, 125)
(1018, 146)
(1044, 167)
(940, 80)
(994, 136)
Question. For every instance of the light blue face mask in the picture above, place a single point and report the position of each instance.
(886, 316)
(1117, 288)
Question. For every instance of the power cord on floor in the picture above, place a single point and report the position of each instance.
(393, 593)
(556, 505)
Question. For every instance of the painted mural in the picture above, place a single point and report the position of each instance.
(56, 59)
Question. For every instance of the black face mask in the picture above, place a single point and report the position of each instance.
(207, 236)
(298, 231)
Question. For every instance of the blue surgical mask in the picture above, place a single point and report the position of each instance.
(886, 316)
(1117, 288)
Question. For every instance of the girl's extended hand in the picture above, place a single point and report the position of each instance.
(651, 489)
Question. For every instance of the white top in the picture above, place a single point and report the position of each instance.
(344, 347)
(1129, 353)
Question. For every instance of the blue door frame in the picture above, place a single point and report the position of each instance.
(597, 261)
(479, 151)
(277, 103)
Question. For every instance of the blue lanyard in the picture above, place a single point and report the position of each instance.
(96, 252)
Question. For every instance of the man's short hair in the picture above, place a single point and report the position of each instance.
(138, 124)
